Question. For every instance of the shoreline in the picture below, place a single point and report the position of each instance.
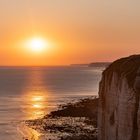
(71, 121)
(27, 133)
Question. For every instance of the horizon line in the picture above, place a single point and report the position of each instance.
(54, 65)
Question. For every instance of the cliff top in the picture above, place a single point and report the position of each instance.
(125, 67)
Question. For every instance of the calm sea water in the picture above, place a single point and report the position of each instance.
(31, 92)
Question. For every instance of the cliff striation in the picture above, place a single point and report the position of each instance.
(119, 100)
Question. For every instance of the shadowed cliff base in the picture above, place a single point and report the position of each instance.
(119, 92)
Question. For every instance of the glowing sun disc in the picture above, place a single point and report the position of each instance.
(37, 44)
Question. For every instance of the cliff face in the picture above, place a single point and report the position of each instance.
(119, 100)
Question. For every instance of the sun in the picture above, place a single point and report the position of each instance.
(36, 44)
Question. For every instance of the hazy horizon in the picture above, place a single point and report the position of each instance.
(58, 65)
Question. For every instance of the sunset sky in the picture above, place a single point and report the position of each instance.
(74, 31)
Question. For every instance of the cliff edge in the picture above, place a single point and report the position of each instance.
(119, 100)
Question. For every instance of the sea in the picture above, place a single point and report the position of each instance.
(31, 92)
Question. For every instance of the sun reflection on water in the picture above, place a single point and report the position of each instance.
(37, 105)
(38, 102)
(36, 95)
(38, 98)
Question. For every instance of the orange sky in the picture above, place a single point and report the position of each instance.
(81, 31)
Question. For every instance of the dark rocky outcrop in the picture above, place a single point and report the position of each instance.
(119, 100)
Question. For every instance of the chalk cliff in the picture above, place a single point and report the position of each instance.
(119, 100)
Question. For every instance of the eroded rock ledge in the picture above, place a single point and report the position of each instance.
(119, 103)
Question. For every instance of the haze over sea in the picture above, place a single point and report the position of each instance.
(31, 92)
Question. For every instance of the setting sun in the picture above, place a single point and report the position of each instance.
(36, 44)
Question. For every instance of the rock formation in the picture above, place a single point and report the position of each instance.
(119, 100)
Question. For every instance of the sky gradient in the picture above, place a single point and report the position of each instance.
(81, 31)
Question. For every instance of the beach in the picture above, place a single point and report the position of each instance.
(72, 121)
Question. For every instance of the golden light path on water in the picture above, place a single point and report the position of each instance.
(36, 96)
(37, 101)
(38, 106)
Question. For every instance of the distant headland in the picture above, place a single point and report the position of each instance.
(93, 64)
